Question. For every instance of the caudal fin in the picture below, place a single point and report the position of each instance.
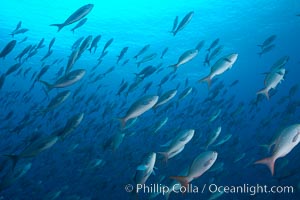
(174, 67)
(122, 121)
(14, 159)
(206, 79)
(59, 26)
(48, 85)
(269, 162)
(165, 155)
(265, 92)
(181, 179)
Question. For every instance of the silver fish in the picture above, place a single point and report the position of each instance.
(76, 16)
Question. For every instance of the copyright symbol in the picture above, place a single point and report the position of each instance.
(129, 188)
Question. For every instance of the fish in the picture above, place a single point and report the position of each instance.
(176, 145)
(56, 101)
(163, 53)
(95, 43)
(76, 16)
(19, 31)
(185, 93)
(65, 81)
(224, 140)
(285, 142)
(215, 116)
(49, 53)
(165, 98)
(160, 124)
(222, 65)
(115, 141)
(175, 23)
(143, 50)
(41, 44)
(12, 176)
(213, 136)
(70, 126)
(146, 59)
(8, 48)
(213, 44)
(185, 57)
(80, 23)
(2, 80)
(267, 41)
(200, 165)
(280, 63)
(18, 26)
(72, 59)
(139, 107)
(39, 145)
(266, 49)
(145, 169)
(13, 68)
(77, 43)
(271, 81)
(200, 45)
(184, 22)
(84, 45)
(122, 88)
(51, 44)
(147, 71)
(108, 43)
(25, 50)
(122, 53)
(23, 40)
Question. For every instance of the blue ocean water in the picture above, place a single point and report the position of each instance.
(96, 158)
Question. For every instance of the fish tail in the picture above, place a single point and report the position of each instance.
(165, 155)
(122, 121)
(48, 85)
(59, 26)
(181, 179)
(206, 79)
(174, 67)
(14, 159)
(265, 92)
(269, 162)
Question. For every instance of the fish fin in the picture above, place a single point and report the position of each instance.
(269, 162)
(181, 179)
(174, 67)
(142, 167)
(227, 60)
(166, 144)
(14, 159)
(59, 26)
(264, 92)
(206, 79)
(122, 121)
(153, 172)
(165, 155)
(48, 85)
